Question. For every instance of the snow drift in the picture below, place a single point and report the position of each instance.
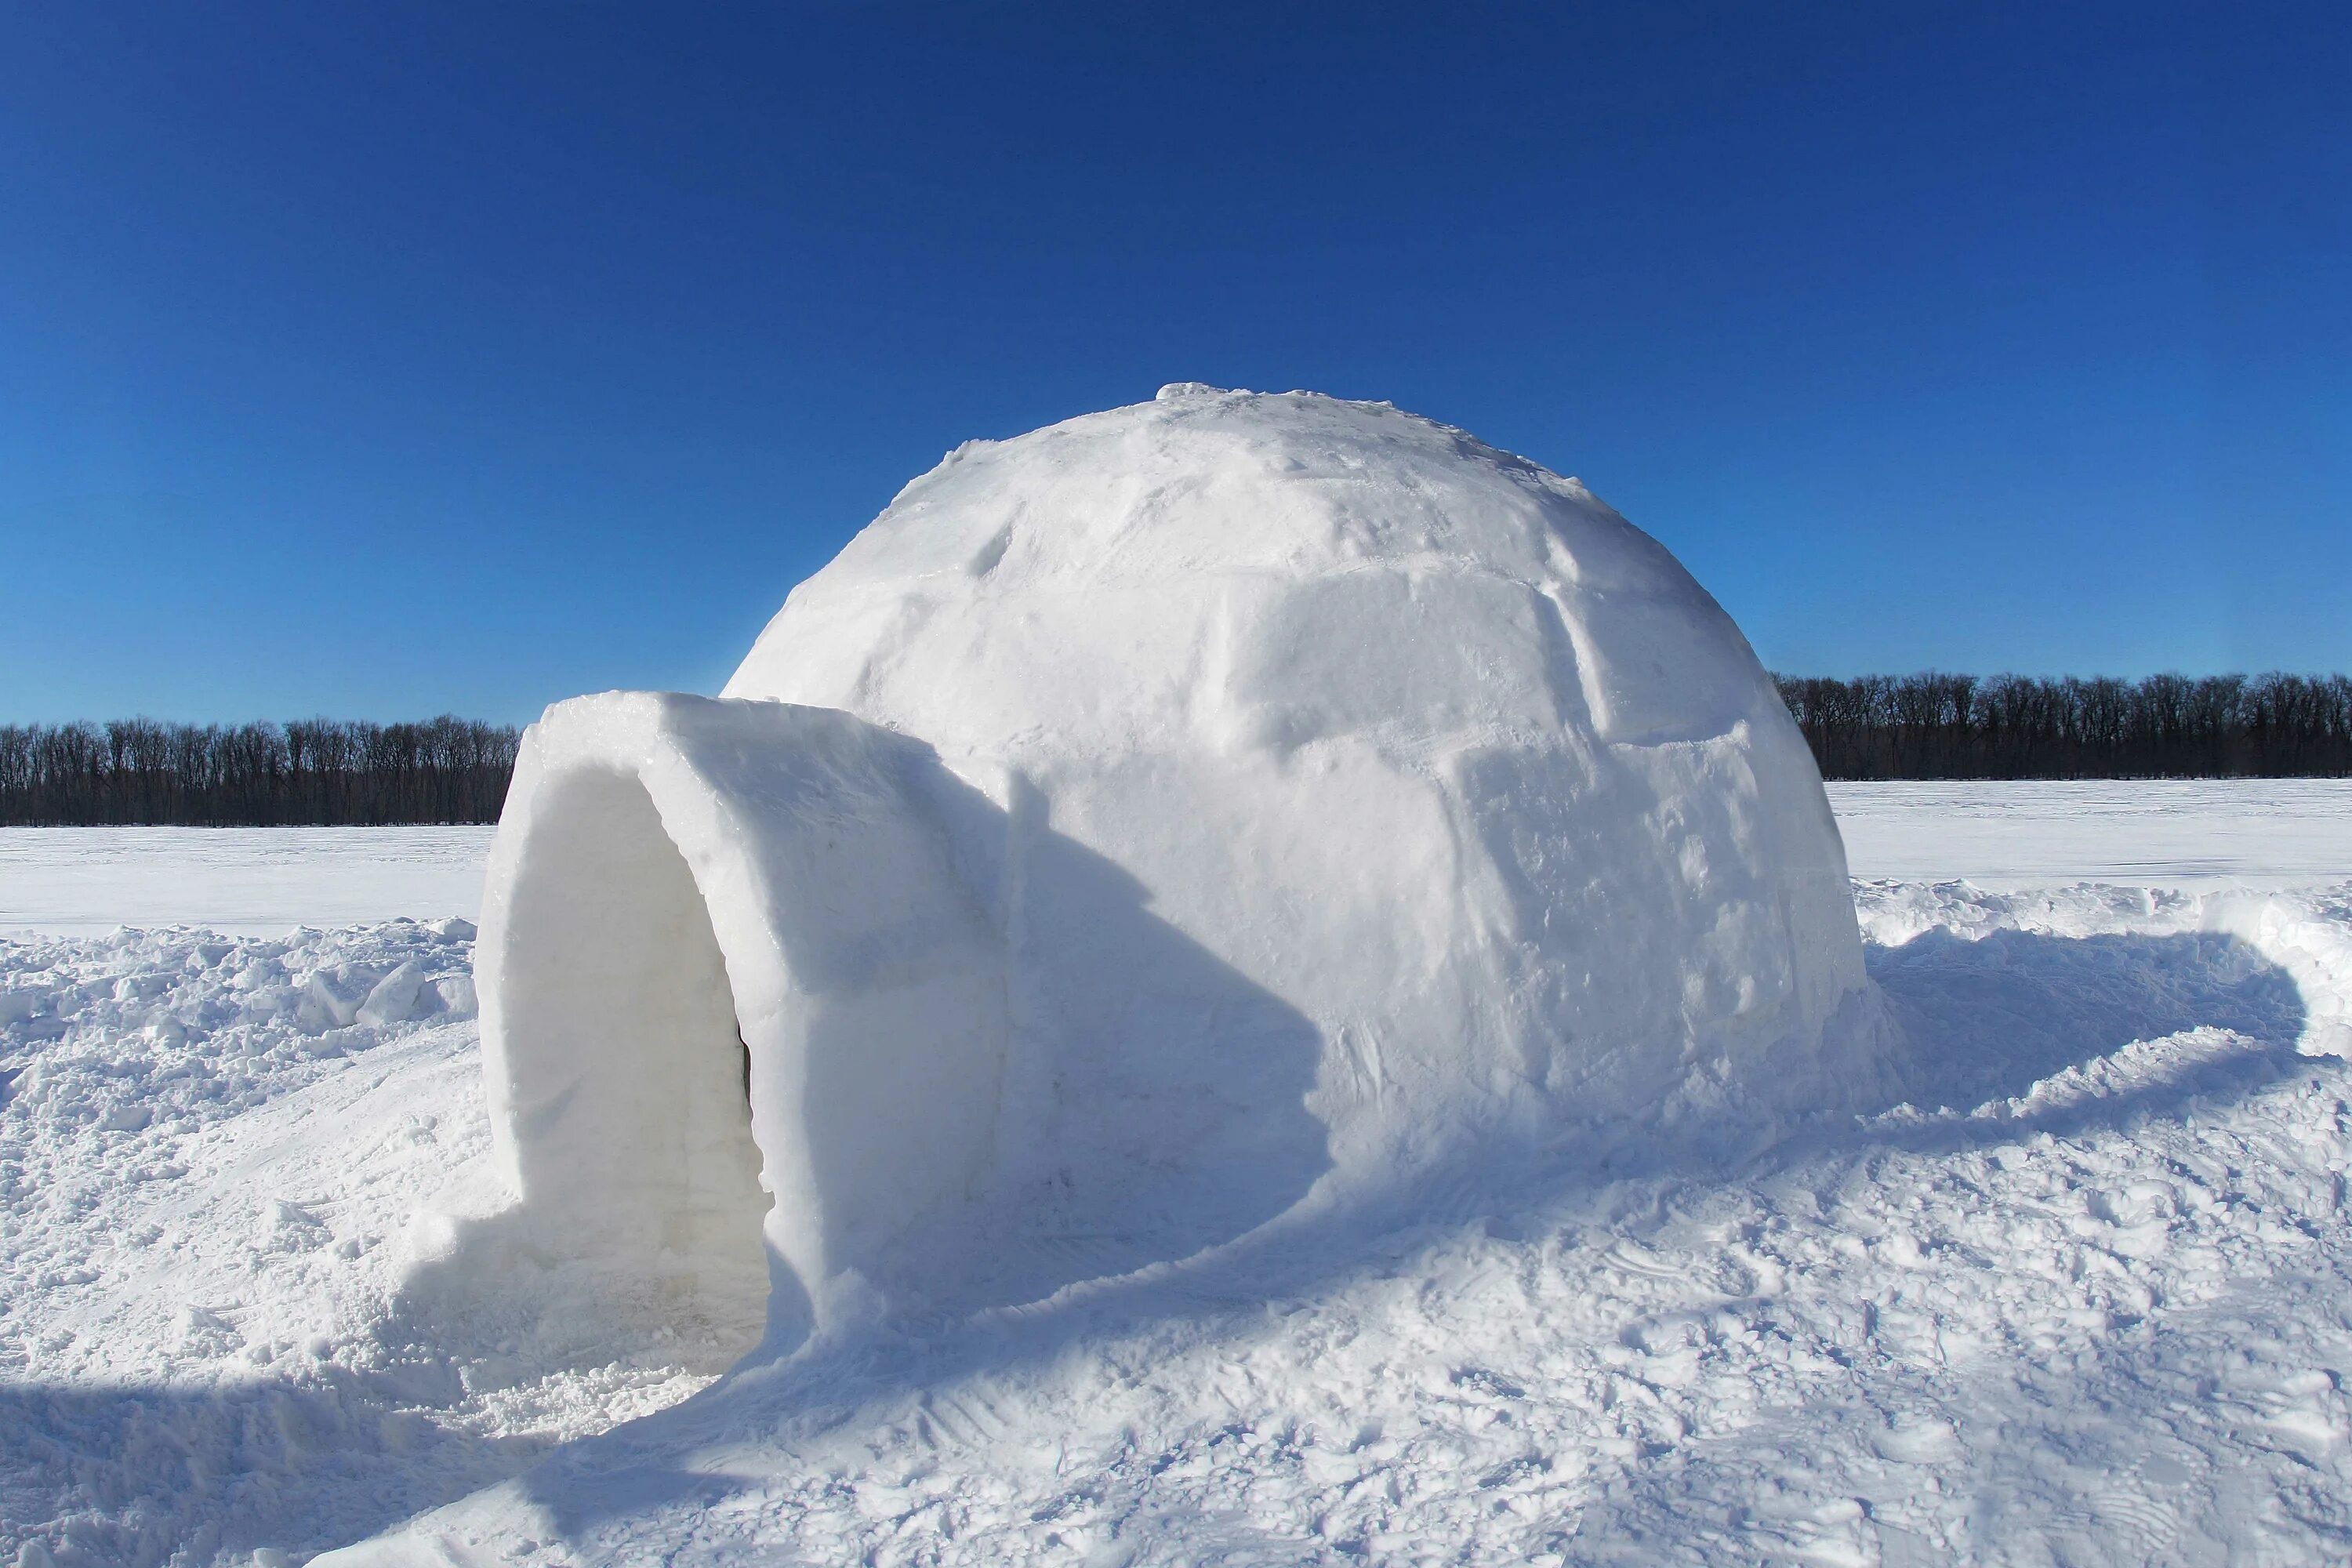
(1163, 821)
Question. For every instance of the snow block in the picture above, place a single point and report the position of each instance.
(1163, 822)
(722, 951)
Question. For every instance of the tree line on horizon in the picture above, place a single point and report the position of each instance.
(1929, 725)
(1934, 725)
(324, 772)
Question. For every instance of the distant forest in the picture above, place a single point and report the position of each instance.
(1926, 726)
(319, 771)
(1937, 726)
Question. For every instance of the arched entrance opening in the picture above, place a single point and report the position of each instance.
(627, 1080)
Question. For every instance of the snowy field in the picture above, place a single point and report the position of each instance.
(2166, 832)
(2161, 833)
(2088, 1300)
(244, 881)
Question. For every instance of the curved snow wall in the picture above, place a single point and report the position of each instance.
(738, 1022)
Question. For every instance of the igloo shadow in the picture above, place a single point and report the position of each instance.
(1991, 1017)
(761, 1052)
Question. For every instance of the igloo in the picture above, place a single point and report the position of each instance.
(1181, 818)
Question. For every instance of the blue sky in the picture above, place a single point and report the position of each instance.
(383, 360)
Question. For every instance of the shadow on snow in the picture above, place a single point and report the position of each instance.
(131, 1476)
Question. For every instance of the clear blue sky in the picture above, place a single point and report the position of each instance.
(381, 360)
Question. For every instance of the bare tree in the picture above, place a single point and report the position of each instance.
(1936, 725)
(312, 770)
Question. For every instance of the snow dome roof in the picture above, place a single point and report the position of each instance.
(1264, 567)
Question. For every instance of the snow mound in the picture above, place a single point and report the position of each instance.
(207, 1200)
(1164, 822)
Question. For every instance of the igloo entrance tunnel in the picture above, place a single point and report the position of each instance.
(1163, 823)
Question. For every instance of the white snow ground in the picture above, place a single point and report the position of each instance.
(264, 882)
(2164, 833)
(247, 881)
(2089, 1302)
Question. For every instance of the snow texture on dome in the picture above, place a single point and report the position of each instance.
(1174, 819)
